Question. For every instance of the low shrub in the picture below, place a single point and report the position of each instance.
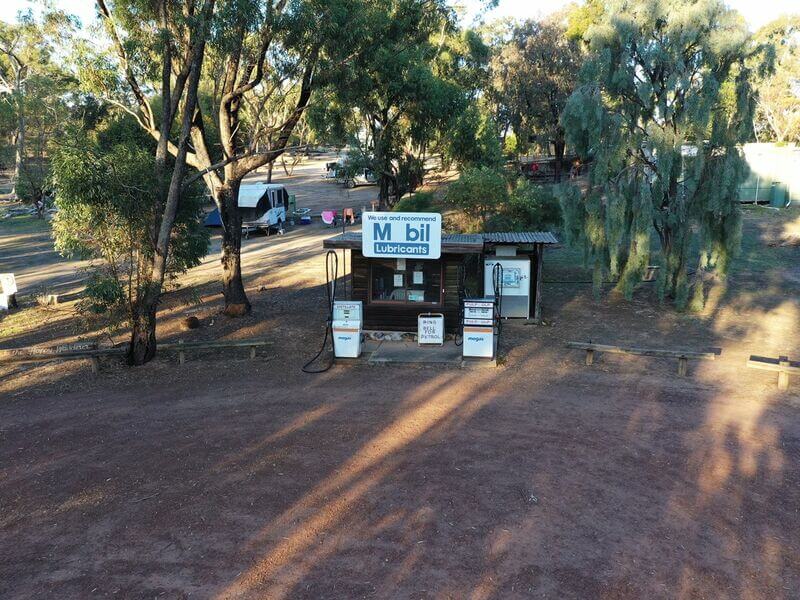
(419, 202)
(529, 208)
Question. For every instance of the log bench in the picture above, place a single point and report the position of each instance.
(683, 356)
(79, 351)
(90, 351)
(182, 347)
(782, 365)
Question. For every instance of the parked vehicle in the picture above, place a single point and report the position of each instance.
(332, 170)
(261, 205)
(363, 176)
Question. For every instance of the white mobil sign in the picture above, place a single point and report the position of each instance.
(401, 235)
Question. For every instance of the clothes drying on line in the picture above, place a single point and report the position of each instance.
(329, 217)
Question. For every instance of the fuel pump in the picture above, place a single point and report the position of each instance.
(346, 328)
(481, 321)
(343, 324)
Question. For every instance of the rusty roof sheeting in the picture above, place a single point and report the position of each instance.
(520, 237)
(462, 241)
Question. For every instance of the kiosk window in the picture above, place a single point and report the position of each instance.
(419, 282)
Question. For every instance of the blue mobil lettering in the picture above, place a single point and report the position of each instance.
(402, 248)
(414, 233)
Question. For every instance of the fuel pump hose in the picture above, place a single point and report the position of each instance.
(331, 276)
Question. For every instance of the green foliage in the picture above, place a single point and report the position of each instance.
(533, 74)
(582, 16)
(400, 96)
(471, 139)
(529, 208)
(36, 95)
(664, 103)
(778, 107)
(410, 174)
(511, 145)
(107, 213)
(418, 202)
(355, 159)
(104, 295)
(478, 193)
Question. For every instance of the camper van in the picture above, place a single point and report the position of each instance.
(261, 206)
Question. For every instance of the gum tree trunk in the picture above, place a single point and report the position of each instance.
(143, 328)
(19, 142)
(559, 151)
(236, 302)
(143, 333)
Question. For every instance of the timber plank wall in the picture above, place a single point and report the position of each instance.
(399, 317)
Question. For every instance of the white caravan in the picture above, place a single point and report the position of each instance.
(263, 206)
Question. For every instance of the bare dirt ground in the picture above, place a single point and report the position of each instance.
(27, 249)
(231, 478)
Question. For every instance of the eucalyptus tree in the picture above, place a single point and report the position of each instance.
(263, 60)
(32, 84)
(533, 74)
(396, 94)
(778, 108)
(106, 214)
(165, 40)
(665, 100)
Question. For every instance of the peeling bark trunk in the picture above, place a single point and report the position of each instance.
(143, 334)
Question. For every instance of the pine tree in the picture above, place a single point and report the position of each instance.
(665, 101)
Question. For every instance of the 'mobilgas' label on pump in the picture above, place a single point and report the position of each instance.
(401, 235)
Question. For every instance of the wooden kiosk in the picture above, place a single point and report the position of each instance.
(395, 291)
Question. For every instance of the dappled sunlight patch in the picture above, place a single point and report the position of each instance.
(791, 233)
(736, 466)
(84, 499)
(736, 442)
(761, 330)
(485, 588)
(296, 532)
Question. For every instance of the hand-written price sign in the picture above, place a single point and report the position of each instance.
(430, 328)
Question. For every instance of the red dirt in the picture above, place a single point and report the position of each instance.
(231, 478)
(544, 479)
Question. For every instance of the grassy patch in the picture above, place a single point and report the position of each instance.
(23, 224)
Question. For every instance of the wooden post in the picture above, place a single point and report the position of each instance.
(252, 352)
(95, 365)
(783, 376)
(682, 366)
(181, 354)
(589, 357)
(537, 303)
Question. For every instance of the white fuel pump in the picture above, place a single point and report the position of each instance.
(346, 328)
(479, 338)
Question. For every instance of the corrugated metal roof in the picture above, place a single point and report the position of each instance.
(462, 238)
(520, 237)
(348, 236)
(477, 240)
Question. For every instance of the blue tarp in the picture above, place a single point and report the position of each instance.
(212, 219)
